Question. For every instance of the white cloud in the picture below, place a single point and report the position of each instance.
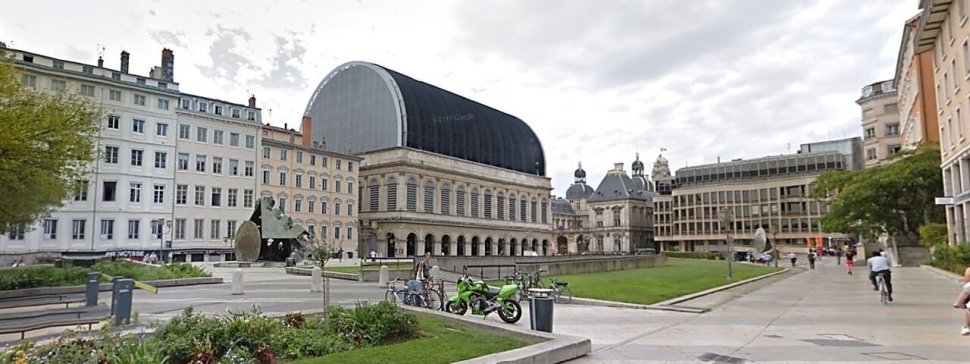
(596, 81)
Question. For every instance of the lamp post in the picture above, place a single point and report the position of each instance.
(775, 253)
(727, 219)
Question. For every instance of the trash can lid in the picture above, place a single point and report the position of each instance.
(541, 292)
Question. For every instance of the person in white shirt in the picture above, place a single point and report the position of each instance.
(963, 303)
(793, 257)
(879, 264)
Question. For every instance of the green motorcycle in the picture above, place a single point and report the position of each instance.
(484, 300)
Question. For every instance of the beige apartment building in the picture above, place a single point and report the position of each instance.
(880, 121)
(313, 186)
(770, 192)
(945, 34)
(916, 93)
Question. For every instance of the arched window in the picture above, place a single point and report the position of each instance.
(460, 201)
(488, 204)
(374, 194)
(338, 184)
(474, 202)
(324, 206)
(350, 185)
(545, 211)
(412, 194)
(445, 199)
(512, 206)
(336, 231)
(350, 208)
(500, 204)
(336, 206)
(533, 211)
(323, 230)
(391, 194)
(429, 197)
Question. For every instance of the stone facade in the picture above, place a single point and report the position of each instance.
(414, 202)
(880, 121)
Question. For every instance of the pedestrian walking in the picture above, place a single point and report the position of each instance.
(792, 257)
(838, 256)
(340, 254)
(849, 260)
(811, 260)
(963, 302)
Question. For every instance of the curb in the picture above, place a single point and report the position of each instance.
(307, 272)
(554, 348)
(41, 291)
(943, 273)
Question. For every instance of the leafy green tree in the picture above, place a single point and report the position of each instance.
(895, 198)
(47, 142)
(933, 234)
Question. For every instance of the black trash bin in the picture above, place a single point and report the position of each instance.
(541, 309)
(350, 255)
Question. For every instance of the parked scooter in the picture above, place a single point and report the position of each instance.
(483, 300)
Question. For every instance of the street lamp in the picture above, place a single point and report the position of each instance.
(159, 225)
(727, 219)
(775, 253)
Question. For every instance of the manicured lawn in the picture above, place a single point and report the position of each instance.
(442, 341)
(652, 285)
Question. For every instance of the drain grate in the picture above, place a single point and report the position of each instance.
(718, 358)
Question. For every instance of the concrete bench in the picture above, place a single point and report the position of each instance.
(23, 322)
(42, 300)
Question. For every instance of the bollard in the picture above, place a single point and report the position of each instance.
(92, 288)
(435, 271)
(122, 296)
(237, 282)
(114, 289)
(382, 278)
(316, 282)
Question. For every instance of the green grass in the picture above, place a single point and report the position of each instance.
(442, 341)
(369, 267)
(31, 277)
(651, 285)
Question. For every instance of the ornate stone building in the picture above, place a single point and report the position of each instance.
(440, 173)
(615, 218)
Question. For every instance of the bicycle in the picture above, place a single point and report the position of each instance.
(883, 291)
(394, 295)
(432, 294)
(561, 290)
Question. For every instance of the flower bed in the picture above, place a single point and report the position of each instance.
(31, 277)
(247, 337)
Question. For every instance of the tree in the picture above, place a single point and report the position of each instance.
(895, 198)
(47, 142)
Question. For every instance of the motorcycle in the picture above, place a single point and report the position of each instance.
(483, 300)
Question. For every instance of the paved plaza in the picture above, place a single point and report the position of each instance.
(803, 316)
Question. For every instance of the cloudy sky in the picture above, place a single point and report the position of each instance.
(597, 80)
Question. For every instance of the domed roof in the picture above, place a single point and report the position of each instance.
(362, 107)
(578, 191)
(580, 173)
(637, 166)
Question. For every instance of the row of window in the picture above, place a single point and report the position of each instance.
(311, 181)
(787, 226)
(324, 161)
(891, 131)
(216, 166)
(311, 203)
(215, 196)
(205, 106)
(57, 85)
(336, 231)
(218, 136)
(109, 192)
(872, 154)
(528, 210)
(79, 229)
(112, 155)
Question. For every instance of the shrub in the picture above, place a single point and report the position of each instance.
(367, 325)
(692, 255)
(30, 277)
(955, 259)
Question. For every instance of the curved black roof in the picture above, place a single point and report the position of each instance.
(362, 107)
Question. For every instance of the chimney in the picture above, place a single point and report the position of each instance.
(124, 61)
(252, 101)
(100, 62)
(168, 65)
(307, 129)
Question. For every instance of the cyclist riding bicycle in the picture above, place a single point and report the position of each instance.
(879, 265)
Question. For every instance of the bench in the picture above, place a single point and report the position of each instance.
(43, 300)
(23, 322)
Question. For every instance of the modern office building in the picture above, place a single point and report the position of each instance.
(917, 97)
(851, 148)
(215, 174)
(943, 32)
(440, 173)
(315, 187)
(770, 192)
(880, 121)
(129, 191)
